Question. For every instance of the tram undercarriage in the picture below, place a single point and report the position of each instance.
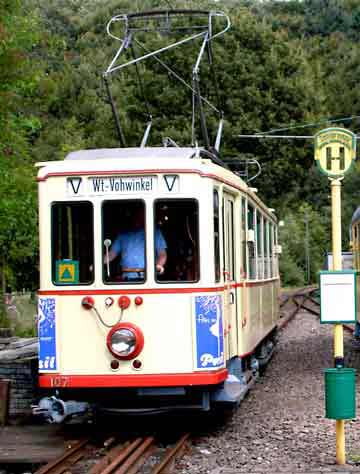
(242, 374)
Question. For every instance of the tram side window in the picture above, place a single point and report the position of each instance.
(266, 250)
(72, 243)
(243, 238)
(228, 238)
(178, 222)
(216, 236)
(251, 245)
(123, 241)
(260, 243)
(271, 249)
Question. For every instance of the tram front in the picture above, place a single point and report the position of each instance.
(130, 316)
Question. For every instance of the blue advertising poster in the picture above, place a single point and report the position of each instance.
(47, 334)
(209, 332)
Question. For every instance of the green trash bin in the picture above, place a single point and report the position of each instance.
(340, 394)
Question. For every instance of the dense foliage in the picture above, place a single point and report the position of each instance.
(282, 65)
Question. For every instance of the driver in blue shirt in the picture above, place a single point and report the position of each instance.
(130, 245)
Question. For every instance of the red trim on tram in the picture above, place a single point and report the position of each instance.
(154, 291)
(138, 380)
(126, 291)
(117, 172)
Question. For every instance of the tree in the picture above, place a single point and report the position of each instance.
(19, 126)
(294, 239)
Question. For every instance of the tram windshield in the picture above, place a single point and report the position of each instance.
(72, 243)
(124, 241)
(177, 222)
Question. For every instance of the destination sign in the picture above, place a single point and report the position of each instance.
(122, 185)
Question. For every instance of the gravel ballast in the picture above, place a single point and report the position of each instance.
(280, 426)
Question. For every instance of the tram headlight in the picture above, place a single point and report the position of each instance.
(125, 341)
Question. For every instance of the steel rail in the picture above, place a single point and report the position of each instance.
(171, 454)
(307, 295)
(310, 310)
(137, 466)
(135, 456)
(122, 456)
(52, 465)
(109, 457)
(126, 457)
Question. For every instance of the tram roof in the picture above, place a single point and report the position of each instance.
(128, 159)
(133, 153)
(102, 160)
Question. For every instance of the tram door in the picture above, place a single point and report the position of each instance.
(230, 322)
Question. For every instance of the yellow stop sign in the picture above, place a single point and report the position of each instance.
(335, 151)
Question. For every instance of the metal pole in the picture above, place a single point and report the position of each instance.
(201, 112)
(307, 249)
(115, 113)
(158, 51)
(338, 328)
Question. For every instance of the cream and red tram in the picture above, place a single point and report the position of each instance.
(191, 336)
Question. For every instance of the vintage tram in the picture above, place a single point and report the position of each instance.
(189, 333)
(158, 265)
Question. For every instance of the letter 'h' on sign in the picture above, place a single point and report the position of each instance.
(335, 151)
(330, 158)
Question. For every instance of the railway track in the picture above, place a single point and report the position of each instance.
(142, 455)
(307, 299)
(139, 455)
(291, 303)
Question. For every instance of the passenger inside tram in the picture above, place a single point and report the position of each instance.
(175, 241)
(129, 246)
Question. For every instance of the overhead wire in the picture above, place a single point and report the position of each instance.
(309, 124)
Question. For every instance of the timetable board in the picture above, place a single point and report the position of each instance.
(338, 297)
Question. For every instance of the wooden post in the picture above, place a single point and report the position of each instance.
(4, 401)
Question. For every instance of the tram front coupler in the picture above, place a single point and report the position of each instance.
(55, 410)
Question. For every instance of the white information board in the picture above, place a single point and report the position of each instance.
(338, 297)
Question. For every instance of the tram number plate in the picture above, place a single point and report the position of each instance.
(59, 382)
